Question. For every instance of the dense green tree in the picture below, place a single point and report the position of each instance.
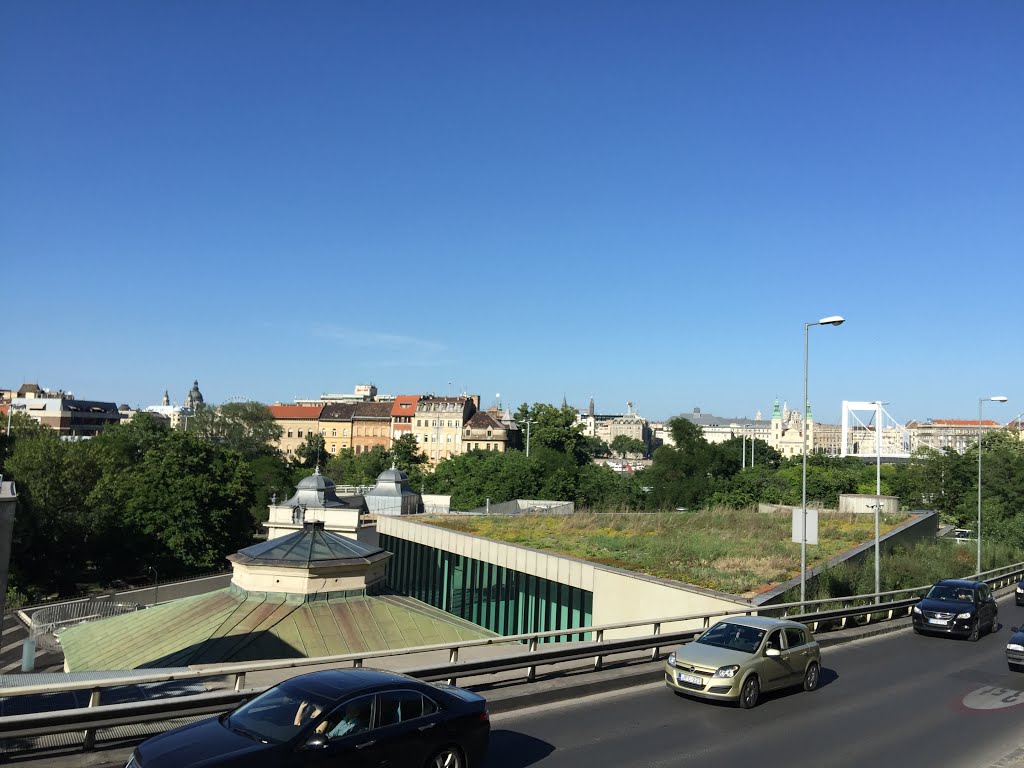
(473, 478)
(312, 452)
(247, 427)
(54, 530)
(350, 468)
(623, 444)
(556, 429)
(189, 504)
(406, 455)
(603, 490)
(271, 477)
(597, 447)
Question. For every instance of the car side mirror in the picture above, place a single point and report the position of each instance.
(1015, 629)
(316, 741)
(696, 635)
(773, 652)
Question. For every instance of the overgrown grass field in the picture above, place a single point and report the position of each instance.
(736, 551)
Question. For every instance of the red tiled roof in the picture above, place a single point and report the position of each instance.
(295, 411)
(404, 405)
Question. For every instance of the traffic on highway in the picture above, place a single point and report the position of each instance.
(895, 699)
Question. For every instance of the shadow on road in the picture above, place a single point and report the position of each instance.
(827, 677)
(510, 749)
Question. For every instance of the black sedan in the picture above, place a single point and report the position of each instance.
(957, 607)
(1015, 650)
(350, 717)
(1019, 593)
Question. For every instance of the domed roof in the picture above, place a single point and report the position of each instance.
(311, 547)
(318, 492)
(391, 482)
(392, 475)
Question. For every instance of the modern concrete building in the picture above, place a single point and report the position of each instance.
(70, 418)
(512, 589)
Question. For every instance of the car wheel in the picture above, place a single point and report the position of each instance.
(750, 692)
(449, 757)
(811, 677)
(975, 631)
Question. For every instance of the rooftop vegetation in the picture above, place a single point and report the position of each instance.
(736, 551)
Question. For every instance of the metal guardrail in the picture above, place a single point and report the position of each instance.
(97, 715)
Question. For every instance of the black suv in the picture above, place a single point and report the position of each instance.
(957, 607)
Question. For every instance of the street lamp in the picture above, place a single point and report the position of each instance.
(981, 402)
(830, 320)
(878, 491)
(528, 423)
(156, 584)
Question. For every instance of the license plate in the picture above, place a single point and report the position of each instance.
(682, 677)
(943, 622)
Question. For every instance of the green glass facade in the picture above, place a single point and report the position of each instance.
(499, 599)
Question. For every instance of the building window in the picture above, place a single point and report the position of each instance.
(300, 433)
(334, 448)
(449, 423)
(289, 433)
(488, 433)
(334, 433)
(375, 432)
(344, 432)
(448, 438)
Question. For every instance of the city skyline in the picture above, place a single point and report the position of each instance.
(636, 202)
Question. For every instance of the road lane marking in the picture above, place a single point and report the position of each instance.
(993, 697)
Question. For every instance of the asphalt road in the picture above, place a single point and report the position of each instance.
(894, 700)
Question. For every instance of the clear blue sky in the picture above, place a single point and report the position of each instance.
(636, 201)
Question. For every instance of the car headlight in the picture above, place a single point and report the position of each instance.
(729, 671)
(1014, 647)
(672, 659)
(966, 615)
(133, 762)
(1020, 590)
(917, 610)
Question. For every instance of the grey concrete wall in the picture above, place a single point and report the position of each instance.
(923, 524)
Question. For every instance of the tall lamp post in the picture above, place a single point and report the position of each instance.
(830, 320)
(878, 493)
(528, 423)
(156, 584)
(981, 402)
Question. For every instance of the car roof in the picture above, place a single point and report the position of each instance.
(334, 683)
(959, 583)
(763, 622)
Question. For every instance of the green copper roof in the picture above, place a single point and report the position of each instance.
(233, 625)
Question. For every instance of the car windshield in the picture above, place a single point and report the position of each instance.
(276, 715)
(951, 594)
(736, 637)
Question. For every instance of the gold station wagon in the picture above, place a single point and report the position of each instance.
(738, 658)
